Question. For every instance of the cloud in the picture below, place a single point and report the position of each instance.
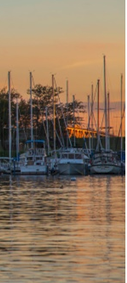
(77, 65)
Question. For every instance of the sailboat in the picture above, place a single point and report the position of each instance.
(105, 161)
(5, 162)
(67, 160)
(71, 161)
(34, 160)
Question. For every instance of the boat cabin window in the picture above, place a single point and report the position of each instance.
(39, 150)
(98, 159)
(71, 156)
(29, 158)
(64, 155)
(96, 155)
(31, 151)
(38, 158)
(22, 158)
(78, 156)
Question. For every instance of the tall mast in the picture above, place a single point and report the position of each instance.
(98, 112)
(108, 118)
(67, 92)
(31, 110)
(17, 130)
(105, 102)
(9, 99)
(67, 109)
(74, 118)
(121, 114)
(98, 101)
(47, 129)
(88, 106)
(88, 101)
(54, 125)
(92, 112)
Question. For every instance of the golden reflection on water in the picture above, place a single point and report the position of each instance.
(54, 230)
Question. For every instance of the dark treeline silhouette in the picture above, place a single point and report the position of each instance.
(42, 103)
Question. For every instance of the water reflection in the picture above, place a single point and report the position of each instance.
(56, 230)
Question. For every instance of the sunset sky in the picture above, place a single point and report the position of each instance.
(67, 38)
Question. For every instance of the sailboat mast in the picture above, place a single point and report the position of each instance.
(9, 99)
(105, 102)
(108, 113)
(92, 112)
(31, 110)
(67, 109)
(88, 102)
(121, 114)
(54, 124)
(98, 112)
(17, 130)
(108, 118)
(67, 93)
(47, 129)
(74, 118)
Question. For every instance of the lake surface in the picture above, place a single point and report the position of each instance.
(55, 230)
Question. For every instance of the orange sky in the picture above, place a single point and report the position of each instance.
(80, 63)
(67, 38)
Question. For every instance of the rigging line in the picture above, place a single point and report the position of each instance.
(88, 126)
(56, 131)
(102, 120)
(43, 123)
(95, 92)
(57, 113)
(33, 84)
(6, 82)
(12, 84)
(63, 117)
(45, 131)
(95, 123)
(33, 80)
(92, 107)
(121, 121)
(61, 134)
(60, 127)
(99, 143)
(22, 124)
(109, 83)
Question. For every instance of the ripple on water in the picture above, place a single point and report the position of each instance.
(55, 230)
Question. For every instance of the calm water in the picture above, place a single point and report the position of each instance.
(56, 230)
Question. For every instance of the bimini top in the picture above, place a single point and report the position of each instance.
(32, 141)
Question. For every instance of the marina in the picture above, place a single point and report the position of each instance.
(62, 141)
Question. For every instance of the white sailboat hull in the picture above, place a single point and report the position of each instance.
(71, 168)
(31, 170)
(32, 162)
(105, 169)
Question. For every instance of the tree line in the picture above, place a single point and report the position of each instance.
(42, 107)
